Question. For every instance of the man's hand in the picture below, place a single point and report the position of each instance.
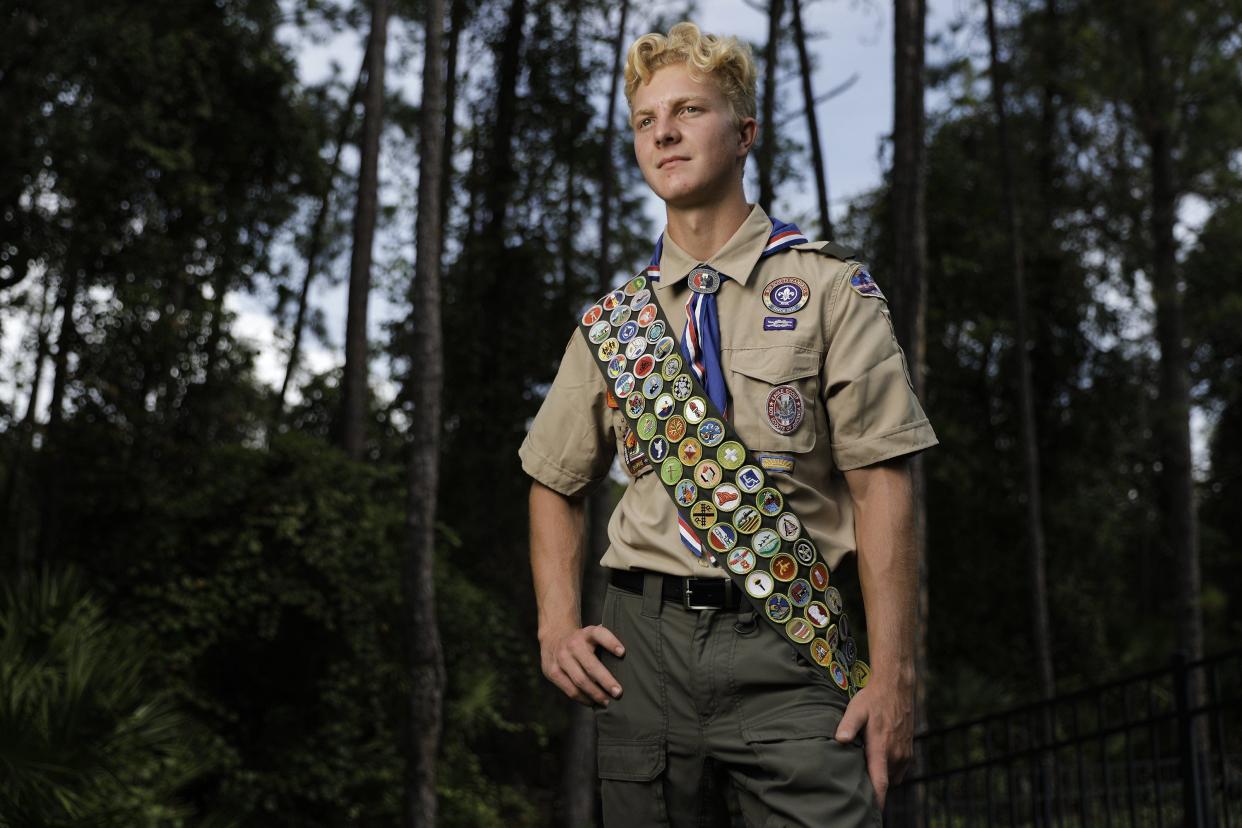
(570, 663)
(884, 717)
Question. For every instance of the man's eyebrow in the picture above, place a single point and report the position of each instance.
(676, 102)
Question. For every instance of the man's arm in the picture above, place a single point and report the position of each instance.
(567, 649)
(887, 569)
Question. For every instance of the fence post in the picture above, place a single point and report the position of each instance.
(1189, 749)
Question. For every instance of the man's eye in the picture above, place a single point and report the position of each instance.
(691, 109)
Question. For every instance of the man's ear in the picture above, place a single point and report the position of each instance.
(747, 130)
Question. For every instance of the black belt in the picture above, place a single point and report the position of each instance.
(690, 593)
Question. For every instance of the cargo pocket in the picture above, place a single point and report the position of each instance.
(753, 374)
(631, 787)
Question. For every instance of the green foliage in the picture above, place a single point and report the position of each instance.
(87, 737)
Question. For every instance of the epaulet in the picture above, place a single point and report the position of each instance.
(827, 248)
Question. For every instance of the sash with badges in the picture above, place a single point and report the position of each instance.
(721, 497)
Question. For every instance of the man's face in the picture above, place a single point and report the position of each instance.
(688, 147)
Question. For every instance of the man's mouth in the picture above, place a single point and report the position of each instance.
(671, 160)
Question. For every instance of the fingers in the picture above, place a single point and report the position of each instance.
(571, 664)
(852, 721)
(603, 636)
(877, 769)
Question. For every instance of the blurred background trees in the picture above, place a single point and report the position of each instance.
(214, 568)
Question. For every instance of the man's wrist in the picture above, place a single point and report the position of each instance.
(899, 676)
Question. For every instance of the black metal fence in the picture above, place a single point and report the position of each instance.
(1162, 748)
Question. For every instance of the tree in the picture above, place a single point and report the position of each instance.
(765, 153)
(812, 123)
(354, 387)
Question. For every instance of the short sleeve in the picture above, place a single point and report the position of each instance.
(873, 414)
(570, 444)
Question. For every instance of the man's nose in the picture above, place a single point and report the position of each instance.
(666, 132)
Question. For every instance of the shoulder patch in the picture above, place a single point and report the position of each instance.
(864, 285)
(827, 248)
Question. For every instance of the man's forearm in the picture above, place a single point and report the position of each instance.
(887, 567)
(556, 555)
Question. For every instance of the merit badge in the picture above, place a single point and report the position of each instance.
(664, 406)
(620, 315)
(832, 598)
(672, 367)
(759, 584)
(652, 386)
(625, 384)
(784, 567)
(711, 432)
(832, 636)
(663, 348)
(703, 514)
(784, 409)
(644, 366)
(770, 502)
(819, 575)
(741, 560)
(777, 608)
(641, 298)
(616, 366)
(747, 520)
(682, 387)
(634, 405)
(843, 624)
(658, 449)
(707, 474)
(647, 315)
(774, 323)
(592, 315)
(787, 294)
(608, 348)
(646, 426)
(704, 280)
(635, 460)
(766, 542)
(860, 673)
(696, 410)
(800, 593)
(722, 537)
(730, 455)
(690, 451)
(627, 332)
(804, 551)
(675, 428)
(799, 630)
(779, 463)
(634, 285)
(670, 470)
(599, 332)
(655, 332)
(749, 479)
(726, 497)
(838, 675)
(849, 651)
(686, 492)
(817, 614)
(787, 524)
(635, 349)
(613, 299)
(865, 285)
(821, 652)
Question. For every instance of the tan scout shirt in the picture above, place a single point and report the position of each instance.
(842, 357)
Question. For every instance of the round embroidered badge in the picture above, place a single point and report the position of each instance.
(787, 294)
(784, 409)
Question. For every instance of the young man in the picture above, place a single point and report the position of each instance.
(785, 361)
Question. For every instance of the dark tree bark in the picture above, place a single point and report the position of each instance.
(49, 511)
(314, 245)
(765, 156)
(500, 187)
(354, 396)
(606, 173)
(909, 184)
(424, 653)
(812, 124)
(457, 20)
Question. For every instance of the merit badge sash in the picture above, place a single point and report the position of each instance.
(725, 503)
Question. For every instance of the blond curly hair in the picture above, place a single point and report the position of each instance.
(723, 59)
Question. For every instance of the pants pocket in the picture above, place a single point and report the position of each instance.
(631, 784)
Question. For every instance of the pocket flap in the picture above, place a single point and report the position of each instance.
(775, 365)
(630, 761)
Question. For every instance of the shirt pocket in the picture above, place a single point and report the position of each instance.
(754, 373)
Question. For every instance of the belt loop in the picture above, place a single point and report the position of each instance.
(653, 594)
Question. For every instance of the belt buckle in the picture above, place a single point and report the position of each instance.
(686, 599)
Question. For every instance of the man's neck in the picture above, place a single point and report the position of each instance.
(702, 230)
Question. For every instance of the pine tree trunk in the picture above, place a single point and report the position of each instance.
(910, 276)
(812, 124)
(765, 158)
(457, 20)
(606, 173)
(422, 634)
(354, 389)
(49, 512)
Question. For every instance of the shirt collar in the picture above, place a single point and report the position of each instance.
(736, 259)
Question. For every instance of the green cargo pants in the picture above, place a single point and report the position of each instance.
(717, 715)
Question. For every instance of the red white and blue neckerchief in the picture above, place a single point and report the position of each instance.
(700, 340)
